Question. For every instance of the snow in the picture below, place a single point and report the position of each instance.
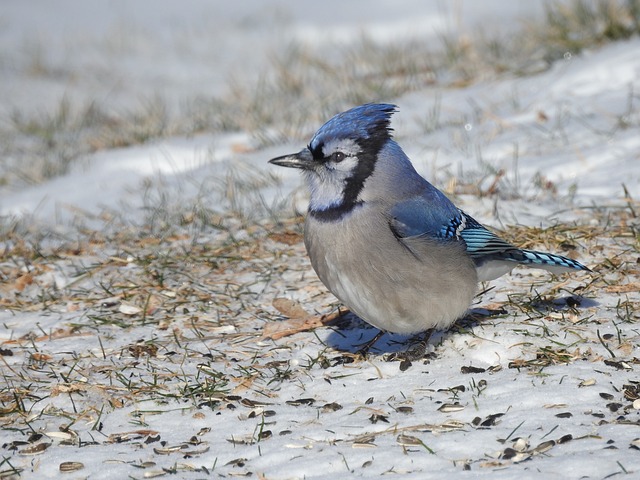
(575, 126)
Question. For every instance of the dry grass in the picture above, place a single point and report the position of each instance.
(303, 86)
(179, 322)
(127, 322)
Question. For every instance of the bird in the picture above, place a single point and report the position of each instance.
(387, 243)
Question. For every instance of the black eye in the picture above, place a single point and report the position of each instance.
(337, 157)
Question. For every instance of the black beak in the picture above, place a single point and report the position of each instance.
(303, 159)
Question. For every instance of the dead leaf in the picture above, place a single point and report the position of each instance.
(299, 320)
(40, 357)
(289, 308)
(23, 281)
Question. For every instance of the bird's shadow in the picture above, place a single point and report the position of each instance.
(349, 333)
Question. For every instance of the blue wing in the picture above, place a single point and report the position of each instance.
(431, 214)
(434, 216)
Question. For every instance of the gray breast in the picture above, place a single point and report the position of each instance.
(403, 287)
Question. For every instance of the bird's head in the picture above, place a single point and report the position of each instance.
(341, 156)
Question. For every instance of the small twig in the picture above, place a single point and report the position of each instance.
(604, 344)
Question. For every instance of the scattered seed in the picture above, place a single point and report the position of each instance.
(154, 473)
(110, 302)
(631, 392)
(12, 446)
(450, 407)
(544, 447)
(587, 383)
(223, 329)
(606, 396)
(128, 436)
(614, 406)
(491, 420)
(635, 444)
(332, 407)
(128, 309)
(492, 464)
(521, 457)
(618, 365)
(301, 401)
(36, 449)
(408, 440)
(404, 409)
(405, 364)
(342, 360)
(458, 388)
(71, 466)
(169, 450)
(237, 462)
(564, 415)
(255, 412)
(564, 439)
(152, 439)
(520, 444)
(508, 454)
(254, 403)
(246, 440)
(68, 436)
(472, 369)
(34, 437)
(365, 441)
(449, 425)
(375, 418)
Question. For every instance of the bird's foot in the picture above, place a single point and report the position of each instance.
(363, 351)
(416, 351)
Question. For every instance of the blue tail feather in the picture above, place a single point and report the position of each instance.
(532, 257)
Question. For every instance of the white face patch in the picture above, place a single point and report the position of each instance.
(326, 191)
(327, 182)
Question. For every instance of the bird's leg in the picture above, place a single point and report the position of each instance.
(416, 351)
(365, 347)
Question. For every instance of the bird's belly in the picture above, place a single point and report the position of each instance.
(391, 288)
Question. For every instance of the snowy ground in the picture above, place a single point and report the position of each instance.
(158, 305)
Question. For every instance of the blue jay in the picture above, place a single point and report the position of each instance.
(387, 243)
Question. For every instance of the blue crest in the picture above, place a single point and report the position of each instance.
(359, 123)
